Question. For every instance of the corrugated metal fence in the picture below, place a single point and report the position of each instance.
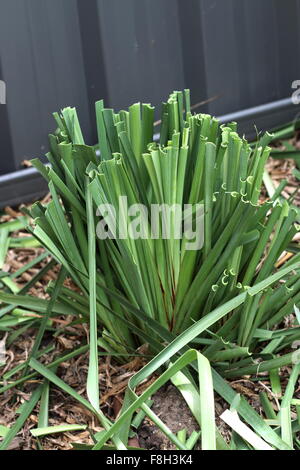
(55, 53)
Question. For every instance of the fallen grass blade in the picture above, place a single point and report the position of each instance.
(232, 419)
(45, 431)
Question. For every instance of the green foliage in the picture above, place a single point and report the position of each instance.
(197, 161)
(206, 314)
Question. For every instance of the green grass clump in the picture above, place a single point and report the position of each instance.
(223, 298)
(196, 161)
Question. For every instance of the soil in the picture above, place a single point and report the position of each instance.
(172, 409)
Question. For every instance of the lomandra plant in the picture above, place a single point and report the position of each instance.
(197, 164)
(204, 275)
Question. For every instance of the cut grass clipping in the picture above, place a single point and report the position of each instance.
(216, 307)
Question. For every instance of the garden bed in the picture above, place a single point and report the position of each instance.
(67, 340)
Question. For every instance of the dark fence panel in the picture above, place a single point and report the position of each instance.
(42, 65)
(55, 53)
